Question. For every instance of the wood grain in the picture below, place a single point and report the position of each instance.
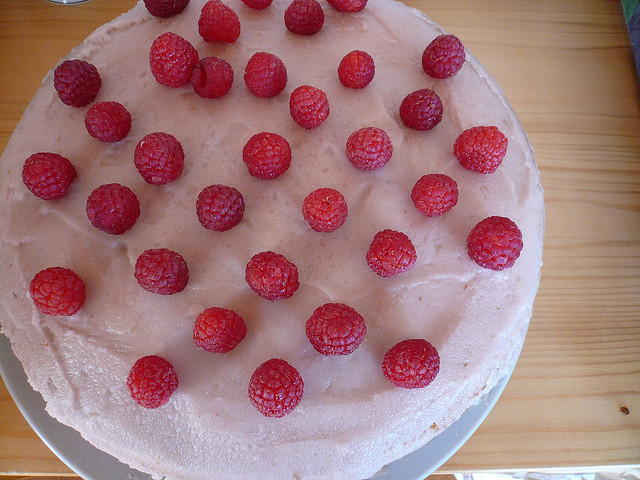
(567, 68)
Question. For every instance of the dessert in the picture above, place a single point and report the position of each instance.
(344, 417)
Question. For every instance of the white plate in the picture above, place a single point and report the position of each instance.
(93, 464)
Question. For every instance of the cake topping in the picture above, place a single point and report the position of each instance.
(48, 175)
(324, 209)
(335, 329)
(412, 363)
(220, 207)
(309, 106)
(172, 59)
(348, 5)
(218, 23)
(356, 69)
(304, 17)
(212, 77)
(151, 381)
(108, 121)
(275, 388)
(369, 148)
(113, 208)
(77, 82)
(481, 149)
(165, 8)
(57, 291)
(435, 194)
(265, 75)
(159, 158)
(161, 271)
(272, 276)
(218, 330)
(495, 243)
(443, 57)
(267, 155)
(391, 253)
(421, 110)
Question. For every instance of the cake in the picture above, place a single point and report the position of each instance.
(351, 420)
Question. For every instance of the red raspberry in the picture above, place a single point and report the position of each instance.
(151, 381)
(220, 207)
(257, 4)
(172, 60)
(356, 69)
(159, 158)
(108, 121)
(421, 110)
(161, 271)
(443, 57)
(212, 77)
(165, 8)
(218, 23)
(272, 276)
(218, 330)
(309, 106)
(495, 243)
(391, 253)
(265, 75)
(77, 82)
(348, 5)
(481, 149)
(435, 194)
(267, 155)
(113, 208)
(304, 17)
(48, 175)
(335, 329)
(275, 388)
(369, 148)
(412, 363)
(57, 291)
(325, 210)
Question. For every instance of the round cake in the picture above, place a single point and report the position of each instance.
(348, 419)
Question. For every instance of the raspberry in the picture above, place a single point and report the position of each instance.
(391, 253)
(356, 69)
(275, 388)
(304, 17)
(481, 149)
(77, 82)
(165, 8)
(412, 363)
(335, 329)
(267, 155)
(220, 207)
(495, 243)
(348, 5)
(48, 175)
(309, 106)
(172, 60)
(257, 4)
(218, 23)
(108, 121)
(272, 276)
(443, 57)
(57, 291)
(159, 158)
(113, 208)
(421, 110)
(151, 381)
(265, 75)
(369, 148)
(324, 209)
(435, 194)
(212, 77)
(218, 330)
(161, 271)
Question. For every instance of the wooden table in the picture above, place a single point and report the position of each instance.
(567, 68)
